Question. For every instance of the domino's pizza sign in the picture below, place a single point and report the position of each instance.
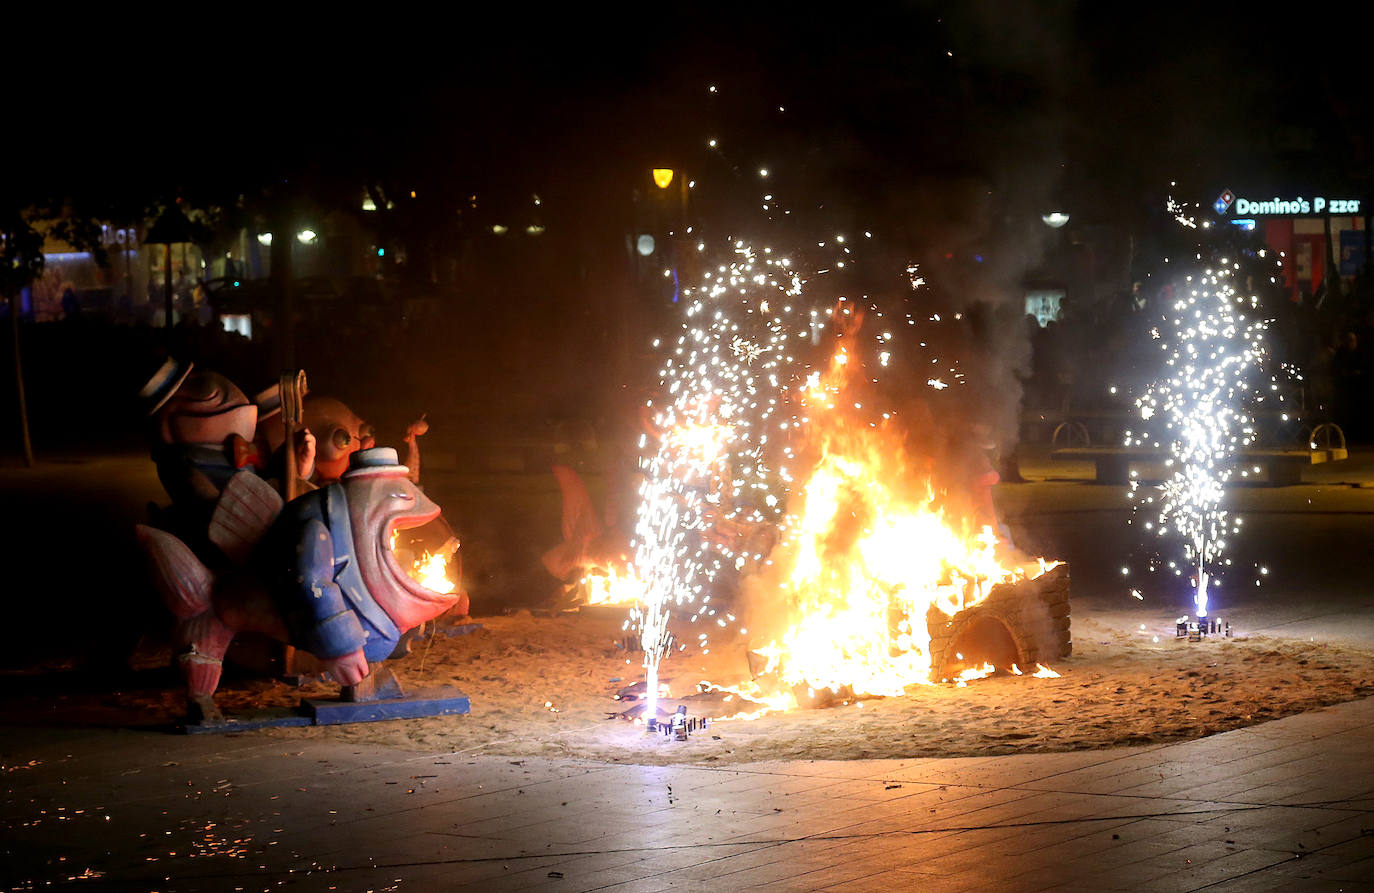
(1298, 206)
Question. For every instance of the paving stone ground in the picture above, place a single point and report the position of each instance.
(1287, 805)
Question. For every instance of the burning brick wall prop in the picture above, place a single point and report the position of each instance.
(1016, 627)
(1024, 623)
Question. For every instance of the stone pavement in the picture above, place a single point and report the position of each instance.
(1281, 806)
(1287, 805)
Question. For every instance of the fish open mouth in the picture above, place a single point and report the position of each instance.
(425, 576)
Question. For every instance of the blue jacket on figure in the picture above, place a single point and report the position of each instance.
(317, 583)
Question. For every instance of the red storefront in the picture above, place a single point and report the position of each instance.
(1296, 228)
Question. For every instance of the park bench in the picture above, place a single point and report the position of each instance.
(1282, 465)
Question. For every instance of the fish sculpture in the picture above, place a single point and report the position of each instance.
(317, 573)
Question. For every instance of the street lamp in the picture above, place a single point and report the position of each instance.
(171, 228)
(663, 177)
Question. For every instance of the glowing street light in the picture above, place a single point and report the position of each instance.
(1055, 219)
(663, 177)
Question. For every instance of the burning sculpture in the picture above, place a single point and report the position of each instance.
(317, 572)
(325, 572)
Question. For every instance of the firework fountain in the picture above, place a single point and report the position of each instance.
(722, 385)
(1211, 338)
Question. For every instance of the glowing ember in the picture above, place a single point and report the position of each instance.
(981, 672)
(750, 700)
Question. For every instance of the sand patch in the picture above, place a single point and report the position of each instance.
(541, 687)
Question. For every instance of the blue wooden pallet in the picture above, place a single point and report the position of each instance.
(277, 718)
(443, 701)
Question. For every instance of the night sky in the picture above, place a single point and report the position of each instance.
(1097, 102)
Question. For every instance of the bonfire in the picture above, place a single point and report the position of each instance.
(879, 549)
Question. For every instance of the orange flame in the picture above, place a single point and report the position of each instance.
(875, 552)
(611, 586)
(429, 570)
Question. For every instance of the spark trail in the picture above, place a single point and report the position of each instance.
(1212, 341)
(722, 385)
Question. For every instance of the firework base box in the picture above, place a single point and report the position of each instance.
(1200, 630)
(441, 701)
(668, 720)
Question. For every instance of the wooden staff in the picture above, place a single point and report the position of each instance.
(293, 388)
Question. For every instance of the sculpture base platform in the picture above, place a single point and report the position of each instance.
(423, 702)
(443, 701)
(273, 718)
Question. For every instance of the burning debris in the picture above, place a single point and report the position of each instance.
(1020, 623)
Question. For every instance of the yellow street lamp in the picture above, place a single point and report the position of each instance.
(663, 177)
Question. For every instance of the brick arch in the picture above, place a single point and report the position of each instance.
(981, 635)
(1035, 614)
